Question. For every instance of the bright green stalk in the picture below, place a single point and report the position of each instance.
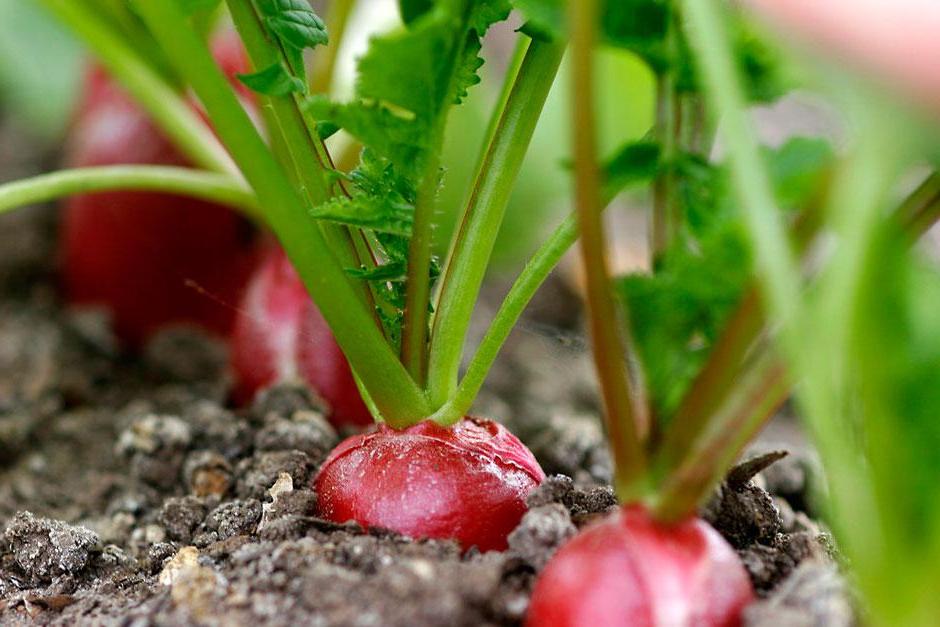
(474, 239)
(174, 115)
(392, 390)
(296, 135)
(414, 328)
(209, 186)
(624, 421)
(520, 294)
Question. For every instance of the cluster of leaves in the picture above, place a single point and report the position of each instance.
(679, 311)
(406, 82)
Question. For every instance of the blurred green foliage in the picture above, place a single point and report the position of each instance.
(40, 68)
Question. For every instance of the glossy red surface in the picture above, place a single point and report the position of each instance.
(468, 482)
(629, 570)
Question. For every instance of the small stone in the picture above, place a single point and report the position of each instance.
(155, 446)
(44, 549)
(305, 430)
(186, 558)
(258, 473)
(207, 473)
(181, 515)
(540, 533)
(234, 518)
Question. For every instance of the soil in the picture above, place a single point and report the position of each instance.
(132, 494)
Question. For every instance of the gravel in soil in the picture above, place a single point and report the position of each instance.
(131, 494)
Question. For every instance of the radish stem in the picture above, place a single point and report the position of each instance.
(209, 186)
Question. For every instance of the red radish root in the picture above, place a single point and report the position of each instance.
(280, 335)
(468, 482)
(150, 259)
(630, 570)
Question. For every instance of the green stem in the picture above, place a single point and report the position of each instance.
(623, 418)
(394, 392)
(536, 270)
(209, 186)
(474, 239)
(324, 64)
(414, 334)
(414, 338)
(309, 160)
(758, 394)
(171, 112)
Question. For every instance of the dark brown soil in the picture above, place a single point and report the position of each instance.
(131, 494)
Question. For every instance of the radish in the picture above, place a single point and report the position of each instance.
(629, 569)
(280, 335)
(151, 259)
(468, 482)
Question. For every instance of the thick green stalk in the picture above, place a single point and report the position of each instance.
(174, 115)
(219, 188)
(414, 329)
(392, 390)
(298, 139)
(608, 341)
(474, 239)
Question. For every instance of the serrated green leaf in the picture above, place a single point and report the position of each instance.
(407, 69)
(294, 22)
(369, 212)
(402, 140)
(273, 80)
(488, 12)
